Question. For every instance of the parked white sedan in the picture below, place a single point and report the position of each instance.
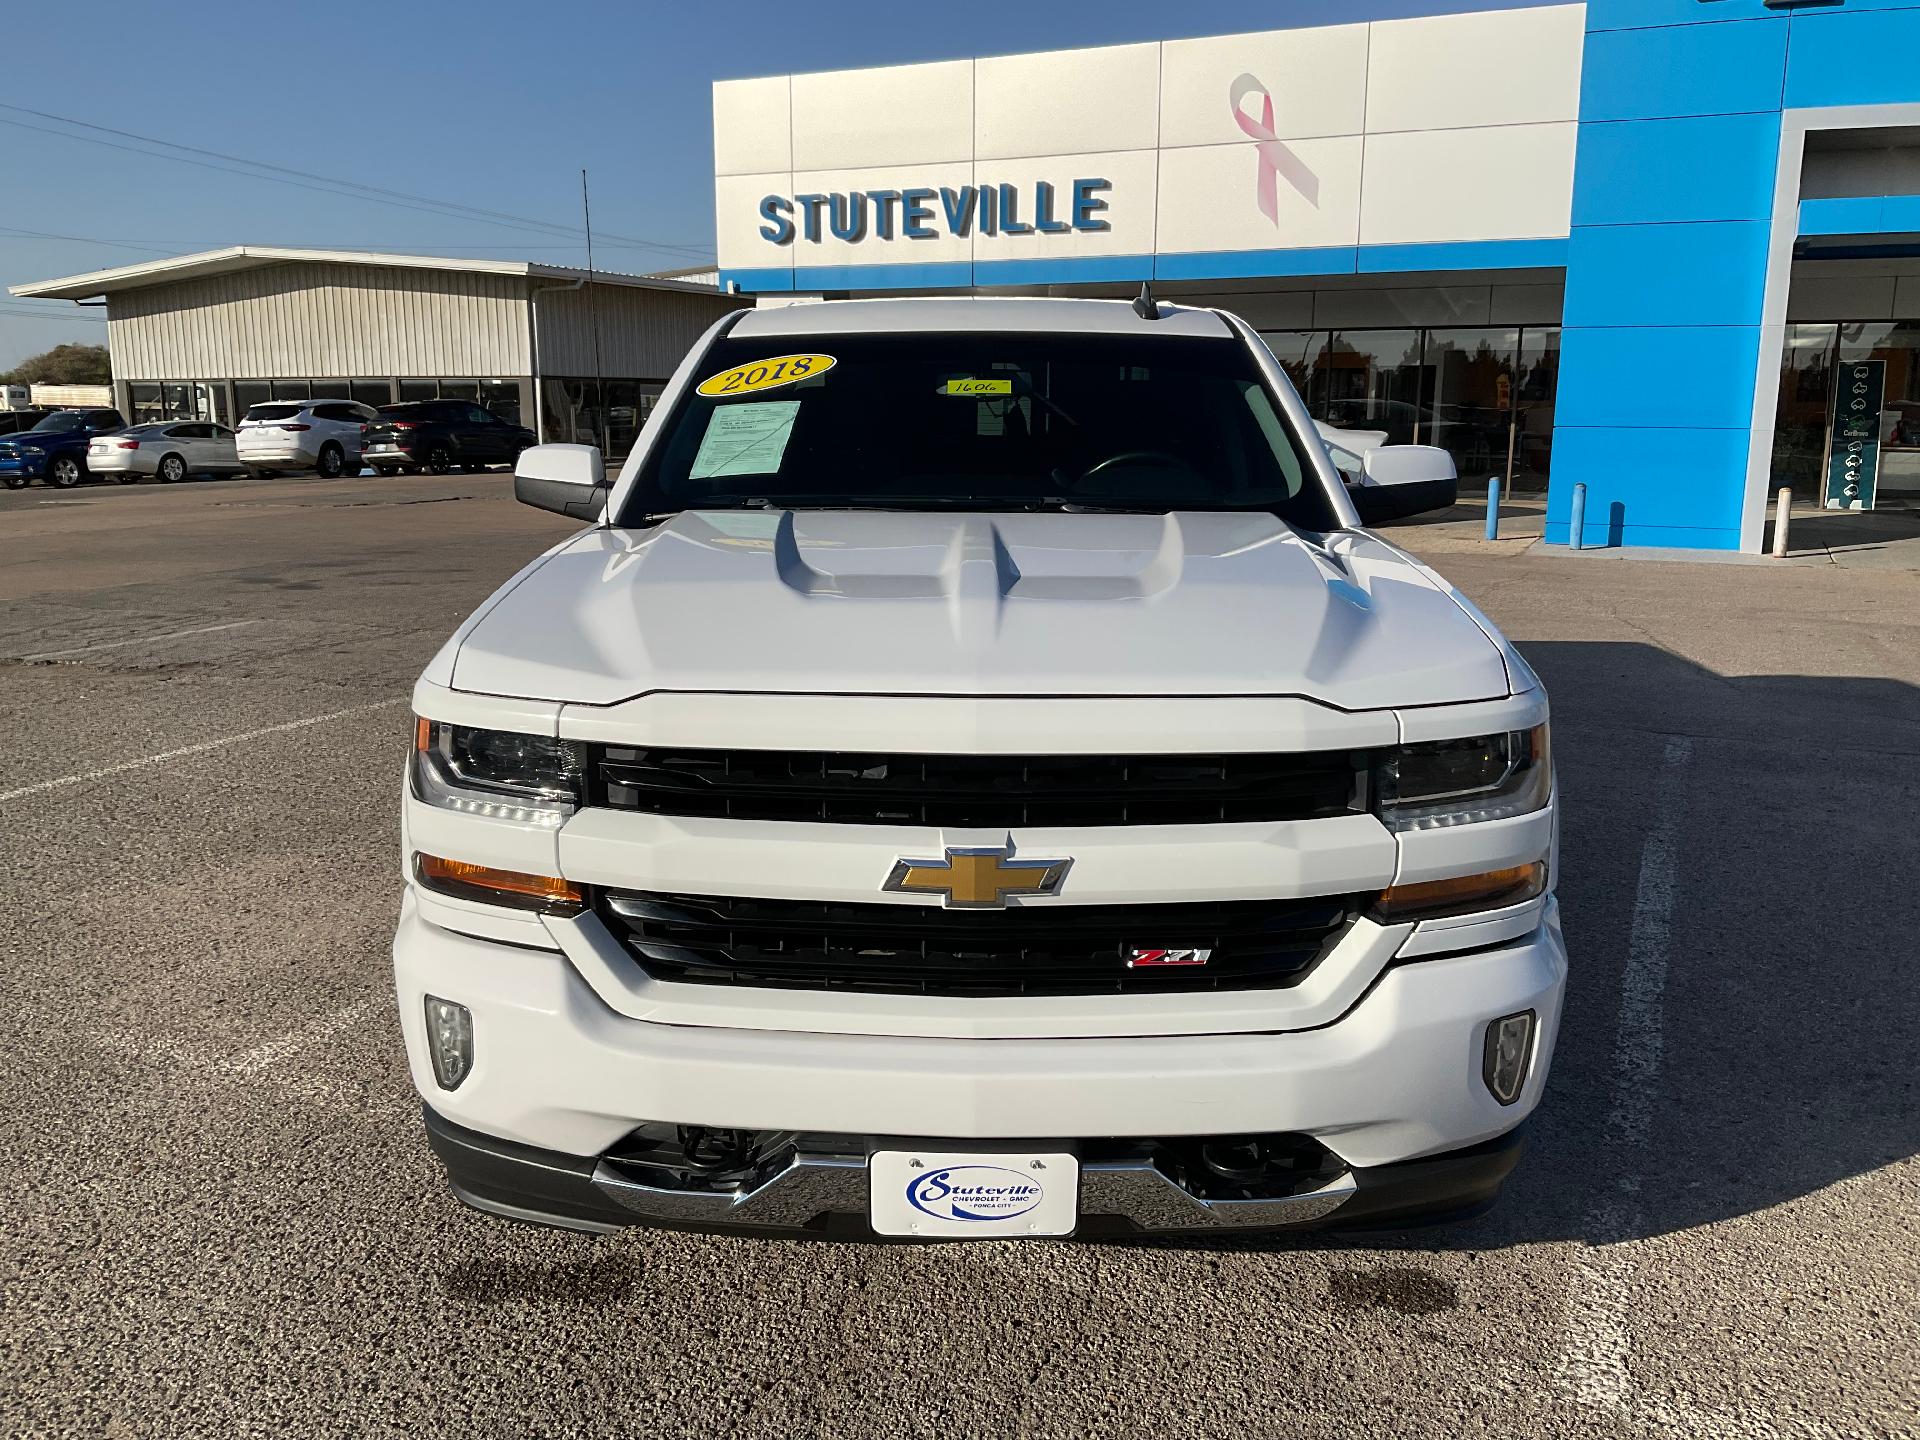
(168, 450)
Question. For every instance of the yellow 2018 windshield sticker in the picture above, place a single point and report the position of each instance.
(977, 387)
(765, 374)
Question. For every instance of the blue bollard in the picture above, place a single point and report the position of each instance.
(1493, 507)
(1577, 527)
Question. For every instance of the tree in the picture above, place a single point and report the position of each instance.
(63, 365)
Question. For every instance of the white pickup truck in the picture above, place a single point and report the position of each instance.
(975, 776)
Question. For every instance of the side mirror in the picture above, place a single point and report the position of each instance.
(1401, 480)
(569, 480)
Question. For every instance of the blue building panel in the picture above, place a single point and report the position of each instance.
(1647, 486)
(1853, 57)
(752, 281)
(1864, 215)
(1706, 377)
(1463, 255)
(1702, 167)
(1644, 14)
(1065, 270)
(1611, 532)
(1679, 70)
(1711, 273)
(924, 275)
(1239, 264)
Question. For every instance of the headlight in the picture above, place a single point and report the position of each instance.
(1458, 782)
(500, 774)
(33, 450)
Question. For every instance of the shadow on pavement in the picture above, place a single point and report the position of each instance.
(1830, 530)
(1790, 1013)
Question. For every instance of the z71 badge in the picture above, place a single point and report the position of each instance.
(1154, 959)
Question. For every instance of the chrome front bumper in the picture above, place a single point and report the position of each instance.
(813, 1186)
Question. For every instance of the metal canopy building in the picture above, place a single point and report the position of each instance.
(205, 336)
(1648, 247)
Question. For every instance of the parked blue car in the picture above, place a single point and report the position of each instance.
(55, 450)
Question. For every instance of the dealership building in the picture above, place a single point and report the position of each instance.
(1663, 251)
(572, 357)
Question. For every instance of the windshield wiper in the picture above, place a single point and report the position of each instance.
(1095, 507)
(862, 502)
(1038, 504)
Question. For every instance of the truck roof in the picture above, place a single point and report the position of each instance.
(965, 312)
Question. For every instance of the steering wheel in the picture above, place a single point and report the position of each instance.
(1134, 457)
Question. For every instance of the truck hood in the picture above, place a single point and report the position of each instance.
(885, 602)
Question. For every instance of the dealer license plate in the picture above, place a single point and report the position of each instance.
(972, 1196)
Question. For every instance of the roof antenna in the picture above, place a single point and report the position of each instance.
(602, 430)
(1143, 306)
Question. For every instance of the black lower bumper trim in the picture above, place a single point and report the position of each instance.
(1434, 1190)
(521, 1182)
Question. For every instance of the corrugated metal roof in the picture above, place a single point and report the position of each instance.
(251, 257)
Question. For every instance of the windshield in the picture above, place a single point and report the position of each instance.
(63, 420)
(980, 422)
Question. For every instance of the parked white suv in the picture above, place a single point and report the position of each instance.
(280, 436)
(974, 776)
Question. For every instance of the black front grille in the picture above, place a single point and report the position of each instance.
(980, 790)
(928, 950)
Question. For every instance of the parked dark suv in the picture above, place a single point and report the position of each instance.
(441, 435)
(15, 420)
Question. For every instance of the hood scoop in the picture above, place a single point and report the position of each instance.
(975, 571)
(974, 561)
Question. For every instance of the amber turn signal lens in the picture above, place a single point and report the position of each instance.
(1462, 894)
(422, 732)
(517, 888)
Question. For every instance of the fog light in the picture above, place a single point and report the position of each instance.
(450, 1041)
(1509, 1055)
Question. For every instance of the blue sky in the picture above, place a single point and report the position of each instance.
(486, 104)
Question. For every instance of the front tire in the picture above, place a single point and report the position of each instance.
(16, 482)
(333, 462)
(64, 472)
(172, 470)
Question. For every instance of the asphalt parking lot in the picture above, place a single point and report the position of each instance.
(221, 1217)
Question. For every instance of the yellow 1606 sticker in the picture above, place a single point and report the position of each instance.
(977, 387)
(765, 374)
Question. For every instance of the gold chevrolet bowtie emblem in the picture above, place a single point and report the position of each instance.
(978, 879)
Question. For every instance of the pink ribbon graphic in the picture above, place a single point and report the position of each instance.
(1275, 158)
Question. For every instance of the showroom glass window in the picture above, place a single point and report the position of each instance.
(1483, 394)
(608, 414)
(1809, 360)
